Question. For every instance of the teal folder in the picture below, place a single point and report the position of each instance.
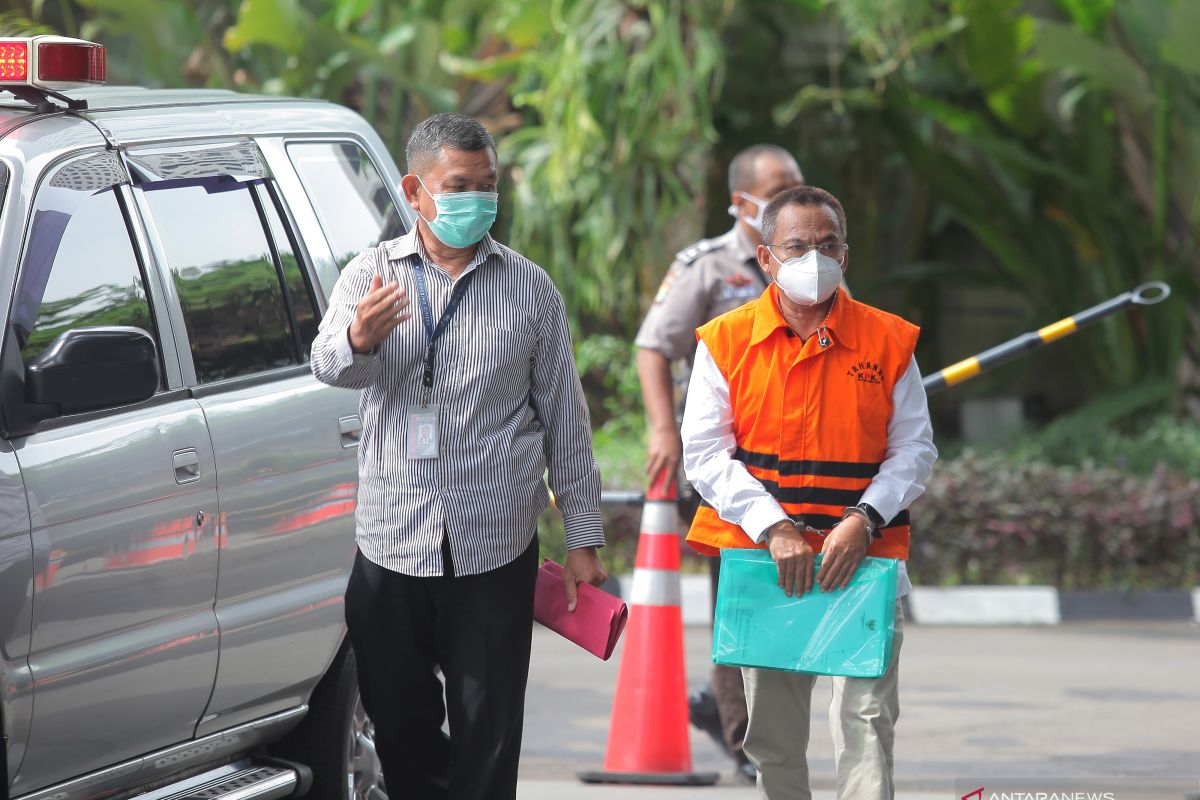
(845, 632)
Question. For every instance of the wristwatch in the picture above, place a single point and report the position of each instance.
(873, 518)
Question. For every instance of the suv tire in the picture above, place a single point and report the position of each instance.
(336, 739)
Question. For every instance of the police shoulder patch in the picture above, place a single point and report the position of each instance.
(668, 280)
(688, 255)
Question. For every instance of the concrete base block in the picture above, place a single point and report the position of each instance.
(985, 605)
(1148, 605)
(695, 598)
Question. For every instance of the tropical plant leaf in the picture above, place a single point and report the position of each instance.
(278, 23)
(347, 12)
(1179, 45)
(1059, 46)
(1090, 15)
(482, 69)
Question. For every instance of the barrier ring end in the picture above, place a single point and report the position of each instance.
(1150, 293)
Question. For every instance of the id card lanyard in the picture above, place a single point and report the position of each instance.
(432, 332)
(422, 428)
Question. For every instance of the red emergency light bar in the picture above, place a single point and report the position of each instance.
(14, 61)
(50, 63)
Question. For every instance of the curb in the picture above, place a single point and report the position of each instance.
(996, 605)
(985, 605)
(1045, 605)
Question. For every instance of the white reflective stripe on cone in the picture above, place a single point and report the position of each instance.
(654, 587)
(660, 517)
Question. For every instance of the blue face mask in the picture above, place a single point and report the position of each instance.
(462, 217)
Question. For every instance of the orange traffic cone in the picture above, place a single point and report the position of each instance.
(648, 738)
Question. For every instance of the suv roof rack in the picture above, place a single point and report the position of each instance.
(39, 98)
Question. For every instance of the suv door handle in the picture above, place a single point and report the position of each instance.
(351, 431)
(187, 465)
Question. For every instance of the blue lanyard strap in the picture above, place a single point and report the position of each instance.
(433, 332)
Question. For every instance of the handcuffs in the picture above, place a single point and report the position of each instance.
(870, 516)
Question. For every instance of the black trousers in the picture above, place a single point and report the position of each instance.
(478, 629)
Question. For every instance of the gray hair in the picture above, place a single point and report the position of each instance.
(801, 196)
(742, 172)
(449, 131)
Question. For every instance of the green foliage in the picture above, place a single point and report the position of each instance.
(1047, 140)
(281, 24)
(1103, 498)
(1092, 436)
(611, 157)
(608, 372)
(996, 519)
(619, 553)
(16, 23)
(620, 449)
(161, 44)
(607, 367)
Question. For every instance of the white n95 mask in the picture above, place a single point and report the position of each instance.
(810, 279)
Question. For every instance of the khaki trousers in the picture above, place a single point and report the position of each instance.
(862, 717)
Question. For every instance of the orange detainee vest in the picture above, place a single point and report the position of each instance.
(810, 422)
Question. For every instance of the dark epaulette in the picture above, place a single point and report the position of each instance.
(689, 254)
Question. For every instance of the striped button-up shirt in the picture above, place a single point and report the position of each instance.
(511, 413)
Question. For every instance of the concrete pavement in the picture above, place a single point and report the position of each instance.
(1101, 700)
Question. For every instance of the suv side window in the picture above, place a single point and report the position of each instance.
(230, 290)
(80, 268)
(350, 198)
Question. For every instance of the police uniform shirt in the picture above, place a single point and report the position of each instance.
(705, 280)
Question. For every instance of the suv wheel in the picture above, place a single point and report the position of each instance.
(344, 765)
(364, 776)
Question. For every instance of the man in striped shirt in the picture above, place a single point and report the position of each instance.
(467, 404)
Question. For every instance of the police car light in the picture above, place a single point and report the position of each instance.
(14, 61)
(50, 62)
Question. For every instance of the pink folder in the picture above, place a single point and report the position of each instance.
(598, 618)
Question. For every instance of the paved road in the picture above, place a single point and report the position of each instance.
(1106, 700)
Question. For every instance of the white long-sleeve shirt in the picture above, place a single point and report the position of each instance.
(738, 497)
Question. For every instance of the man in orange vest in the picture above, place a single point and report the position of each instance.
(705, 280)
(807, 430)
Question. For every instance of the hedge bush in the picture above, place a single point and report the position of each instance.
(996, 519)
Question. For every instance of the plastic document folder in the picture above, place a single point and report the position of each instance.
(598, 618)
(844, 632)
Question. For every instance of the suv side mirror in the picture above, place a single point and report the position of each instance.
(86, 369)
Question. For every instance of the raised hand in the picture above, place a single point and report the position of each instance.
(379, 312)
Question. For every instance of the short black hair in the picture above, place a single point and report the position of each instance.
(452, 131)
(742, 173)
(800, 196)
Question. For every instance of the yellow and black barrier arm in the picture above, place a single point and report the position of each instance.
(1145, 295)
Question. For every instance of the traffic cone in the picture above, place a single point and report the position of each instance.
(648, 737)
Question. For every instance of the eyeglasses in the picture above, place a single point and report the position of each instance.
(795, 249)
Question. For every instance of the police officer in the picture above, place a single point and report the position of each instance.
(706, 280)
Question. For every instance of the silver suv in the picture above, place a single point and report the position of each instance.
(177, 491)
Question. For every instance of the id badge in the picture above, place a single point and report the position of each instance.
(422, 433)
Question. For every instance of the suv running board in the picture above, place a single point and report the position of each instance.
(262, 779)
